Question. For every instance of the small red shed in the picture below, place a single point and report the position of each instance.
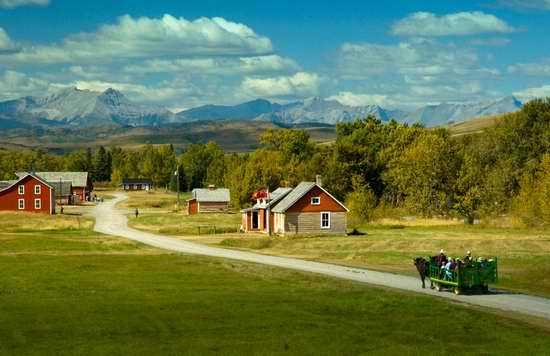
(30, 194)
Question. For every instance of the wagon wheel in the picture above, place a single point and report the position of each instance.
(457, 291)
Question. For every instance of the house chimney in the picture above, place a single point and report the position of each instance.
(211, 187)
(319, 180)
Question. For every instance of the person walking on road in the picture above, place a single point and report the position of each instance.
(137, 213)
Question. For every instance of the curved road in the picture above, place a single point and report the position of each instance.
(112, 221)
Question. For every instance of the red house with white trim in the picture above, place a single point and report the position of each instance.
(307, 209)
(28, 194)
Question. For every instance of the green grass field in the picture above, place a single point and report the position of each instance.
(524, 255)
(170, 223)
(70, 291)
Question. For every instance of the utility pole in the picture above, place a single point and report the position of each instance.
(268, 214)
(177, 173)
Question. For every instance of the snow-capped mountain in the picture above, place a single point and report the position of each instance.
(318, 110)
(76, 107)
(446, 113)
(72, 106)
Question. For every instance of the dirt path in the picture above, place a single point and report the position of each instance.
(113, 221)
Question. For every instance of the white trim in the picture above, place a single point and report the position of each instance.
(318, 201)
(309, 190)
(39, 190)
(21, 189)
(19, 205)
(39, 206)
(329, 220)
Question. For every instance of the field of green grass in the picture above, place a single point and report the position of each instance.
(171, 223)
(155, 200)
(71, 291)
(524, 255)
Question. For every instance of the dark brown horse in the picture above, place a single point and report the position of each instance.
(423, 268)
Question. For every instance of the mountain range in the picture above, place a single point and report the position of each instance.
(74, 107)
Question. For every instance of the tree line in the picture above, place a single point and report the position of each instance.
(373, 166)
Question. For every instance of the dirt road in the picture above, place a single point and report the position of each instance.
(112, 221)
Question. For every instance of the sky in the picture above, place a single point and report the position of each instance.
(182, 54)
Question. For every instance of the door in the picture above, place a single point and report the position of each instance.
(255, 222)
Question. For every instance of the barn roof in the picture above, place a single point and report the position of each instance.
(274, 197)
(78, 179)
(296, 194)
(6, 183)
(215, 195)
(62, 189)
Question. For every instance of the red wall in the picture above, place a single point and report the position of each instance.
(81, 192)
(9, 199)
(327, 203)
(192, 207)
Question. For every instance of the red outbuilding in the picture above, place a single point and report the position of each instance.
(28, 194)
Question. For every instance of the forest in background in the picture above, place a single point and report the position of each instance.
(373, 166)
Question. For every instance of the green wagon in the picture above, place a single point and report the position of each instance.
(472, 277)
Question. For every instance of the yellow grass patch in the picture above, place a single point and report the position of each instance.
(17, 221)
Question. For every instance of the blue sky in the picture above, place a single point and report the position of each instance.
(181, 54)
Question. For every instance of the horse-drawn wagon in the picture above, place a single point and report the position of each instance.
(470, 277)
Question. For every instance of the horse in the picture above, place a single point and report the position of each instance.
(423, 268)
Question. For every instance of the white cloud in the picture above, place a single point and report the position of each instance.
(458, 24)
(15, 85)
(150, 37)
(6, 43)
(533, 69)
(355, 99)
(10, 4)
(414, 71)
(217, 65)
(526, 4)
(302, 84)
(492, 42)
(533, 93)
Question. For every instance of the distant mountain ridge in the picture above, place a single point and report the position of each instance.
(72, 106)
(75, 107)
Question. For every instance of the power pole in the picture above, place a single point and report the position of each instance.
(177, 173)
(268, 214)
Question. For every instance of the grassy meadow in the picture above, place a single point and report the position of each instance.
(70, 291)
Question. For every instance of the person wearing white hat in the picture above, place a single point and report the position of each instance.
(468, 258)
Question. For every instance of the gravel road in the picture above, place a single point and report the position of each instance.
(113, 221)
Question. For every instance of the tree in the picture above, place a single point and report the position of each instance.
(361, 202)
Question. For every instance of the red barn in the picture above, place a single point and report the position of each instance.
(30, 194)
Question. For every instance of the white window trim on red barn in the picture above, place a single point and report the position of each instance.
(21, 190)
(37, 204)
(21, 204)
(37, 189)
(315, 200)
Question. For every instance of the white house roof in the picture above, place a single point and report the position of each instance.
(78, 179)
(216, 195)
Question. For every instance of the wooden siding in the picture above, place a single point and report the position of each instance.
(213, 207)
(310, 223)
(327, 203)
(9, 199)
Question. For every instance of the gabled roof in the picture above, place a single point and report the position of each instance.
(78, 179)
(22, 176)
(211, 195)
(274, 198)
(6, 183)
(62, 189)
(297, 193)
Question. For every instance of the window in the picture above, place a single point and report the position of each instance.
(37, 189)
(325, 220)
(316, 201)
(21, 204)
(37, 204)
(21, 190)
